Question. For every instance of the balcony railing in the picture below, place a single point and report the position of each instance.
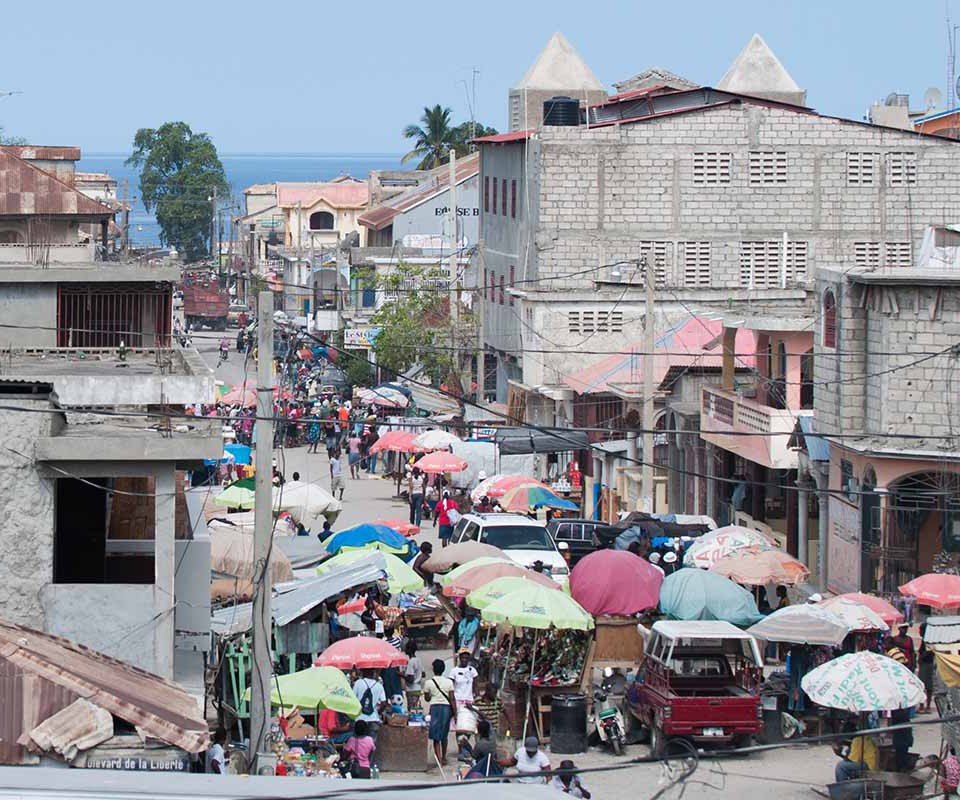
(750, 429)
(47, 253)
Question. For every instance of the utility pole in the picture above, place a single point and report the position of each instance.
(649, 343)
(213, 227)
(452, 269)
(480, 308)
(262, 533)
(125, 205)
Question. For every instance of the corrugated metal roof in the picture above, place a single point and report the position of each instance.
(79, 726)
(161, 708)
(942, 630)
(25, 189)
(818, 448)
(501, 138)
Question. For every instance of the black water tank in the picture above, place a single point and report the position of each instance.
(561, 111)
(568, 723)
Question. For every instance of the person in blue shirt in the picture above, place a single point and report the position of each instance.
(468, 630)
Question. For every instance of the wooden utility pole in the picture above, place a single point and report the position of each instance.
(452, 270)
(649, 343)
(480, 304)
(262, 533)
(213, 228)
(125, 206)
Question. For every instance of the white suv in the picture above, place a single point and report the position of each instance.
(522, 539)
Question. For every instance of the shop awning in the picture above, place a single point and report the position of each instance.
(520, 441)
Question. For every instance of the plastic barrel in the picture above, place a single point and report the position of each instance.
(568, 723)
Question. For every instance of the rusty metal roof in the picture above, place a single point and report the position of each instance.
(26, 190)
(40, 663)
(40, 152)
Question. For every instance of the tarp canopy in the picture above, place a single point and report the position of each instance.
(516, 441)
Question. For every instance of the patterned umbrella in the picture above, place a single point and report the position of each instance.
(804, 624)
(498, 485)
(857, 616)
(934, 589)
(885, 610)
(439, 462)
(523, 498)
(756, 567)
(386, 396)
(722, 542)
(864, 681)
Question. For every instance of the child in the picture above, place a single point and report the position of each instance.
(360, 747)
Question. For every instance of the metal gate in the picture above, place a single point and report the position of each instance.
(103, 315)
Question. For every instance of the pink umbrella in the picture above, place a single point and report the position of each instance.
(615, 582)
(482, 574)
(399, 525)
(886, 611)
(440, 461)
(397, 441)
(934, 589)
(362, 652)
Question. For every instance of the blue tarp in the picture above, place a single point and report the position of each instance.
(241, 452)
(362, 535)
(692, 593)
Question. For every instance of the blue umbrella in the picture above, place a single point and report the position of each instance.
(367, 535)
(691, 593)
(240, 452)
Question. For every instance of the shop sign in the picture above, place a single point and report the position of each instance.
(362, 338)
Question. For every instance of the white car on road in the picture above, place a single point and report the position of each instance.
(522, 539)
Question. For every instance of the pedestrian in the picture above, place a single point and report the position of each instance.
(336, 474)
(372, 439)
(529, 761)
(567, 781)
(415, 493)
(484, 506)
(463, 675)
(468, 632)
(444, 507)
(326, 533)
(353, 446)
(925, 669)
(782, 600)
(391, 638)
(903, 642)
(413, 676)
(240, 341)
(484, 753)
(224, 350)
(369, 691)
(488, 706)
(335, 726)
(302, 529)
(216, 755)
(426, 550)
(313, 432)
(438, 693)
(360, 748)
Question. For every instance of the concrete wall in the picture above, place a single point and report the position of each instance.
(32, 308)
(431, 218)
(27, 511)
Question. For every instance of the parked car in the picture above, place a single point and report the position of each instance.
(699, 681)
(582, 536)
(524, 540)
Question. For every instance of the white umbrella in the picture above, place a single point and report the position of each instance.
(864, 681)
(305, 500)
(435, 440)
(856, 615)
(806, 624)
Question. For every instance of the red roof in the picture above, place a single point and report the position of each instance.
(26, 190)
(501, 138)
(338, 194)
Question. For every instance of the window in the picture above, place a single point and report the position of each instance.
(321, 221)
(848, 483)
(862, 169)
(486, 194)
(710, 168)
(768, 168)
(503, 204)
(695, 257)
(494, 195)
(502, 292)
(516, 123)
(898, 254)
(761, 263)
(866, 254)
(493, 286)
(901, 169)
(591, 322)
(513, 277)
(513, 199)
(656, 253)
(829, 319)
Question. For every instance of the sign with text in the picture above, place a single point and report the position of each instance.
(162, 760)
(843, 548)
(361, 338)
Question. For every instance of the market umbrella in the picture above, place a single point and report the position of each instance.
(241, 452)
(864, 681)
(708, 549)
(538, 607)
(757, 567)
(691, 594)
(399, 525)
(885, 610)
(384, 396)
(239, 494)
(615, 582)
(501, 587)
(368, 536)
(463, 553)
(481, 575)
(802, 624)
(439, 462)
(231, 553)
(934, 589)
(314, 687)
(306, 501)
(497, 485)
(245, 394)
(436, 440)
(858, 616)
(397, 442)
(456, 572)
(400, 575)
(305, 353)
(522, 498)
(362, 652)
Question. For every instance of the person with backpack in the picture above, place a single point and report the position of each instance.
(369, 691)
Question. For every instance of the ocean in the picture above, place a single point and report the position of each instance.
(243, 169)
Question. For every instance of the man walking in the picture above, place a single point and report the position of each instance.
(336, 473)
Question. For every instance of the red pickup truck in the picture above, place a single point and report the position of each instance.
(699, 681)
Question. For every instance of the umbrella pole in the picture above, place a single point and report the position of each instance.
(503, 674)
(533, 661)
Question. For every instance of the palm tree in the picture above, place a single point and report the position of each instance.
(433, 138)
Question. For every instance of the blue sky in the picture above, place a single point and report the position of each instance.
(295, 76)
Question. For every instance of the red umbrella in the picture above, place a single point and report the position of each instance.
(440, 461)
(246, 394)
(399, 525)
(934, 589)
(615, 582)
(398, 442)
(362, 652)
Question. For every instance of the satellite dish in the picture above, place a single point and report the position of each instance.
(933, 97)
(893, 99)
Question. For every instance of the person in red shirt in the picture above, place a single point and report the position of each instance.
(335, 726)
(444, 507)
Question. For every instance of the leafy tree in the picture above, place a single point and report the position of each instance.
(465, 132)
(433, 138)
(4, 139)
(179, 170)
(356, 367)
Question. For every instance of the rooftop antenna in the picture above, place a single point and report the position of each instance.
(951, 60)
(471, 95)
(932, 99)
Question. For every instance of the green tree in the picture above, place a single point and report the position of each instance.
(179, 171)
(356, 367)
(464, 133)
(4, 139)
(433, 138)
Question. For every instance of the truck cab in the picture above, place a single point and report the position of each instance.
(699, 681)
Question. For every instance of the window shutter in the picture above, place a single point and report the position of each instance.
(513, 199)
(494, 195)
(829, 320)
(486, 193)
(504, 198)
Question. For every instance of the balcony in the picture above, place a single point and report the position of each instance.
(41, 254)
(725, 416)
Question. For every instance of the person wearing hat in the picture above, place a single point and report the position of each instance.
(670, 562)
(567, 781)
(654, 559)
(530, 760)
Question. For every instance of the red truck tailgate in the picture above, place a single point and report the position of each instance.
(709, 715)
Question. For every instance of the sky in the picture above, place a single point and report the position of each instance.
(346, 77)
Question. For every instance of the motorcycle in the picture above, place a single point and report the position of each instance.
(608, 719)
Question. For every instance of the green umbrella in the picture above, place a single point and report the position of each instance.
(536, 606)
(314, 687)
(239, 494)
(452, 575)
(400, 576)
(493, 591)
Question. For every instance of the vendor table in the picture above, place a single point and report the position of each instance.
(402, 749)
